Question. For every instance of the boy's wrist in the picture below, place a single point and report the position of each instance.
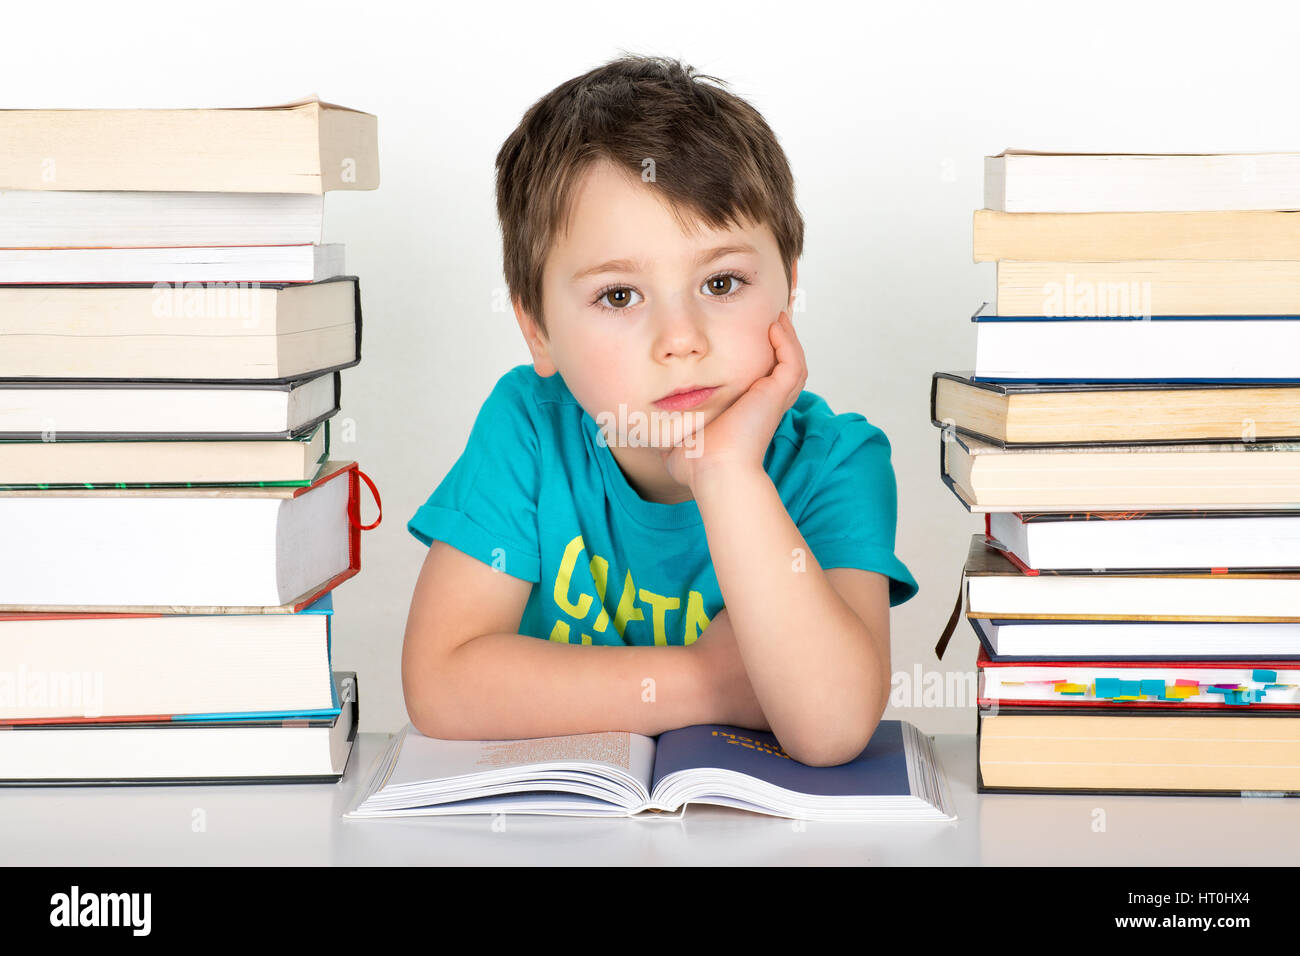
(713, 688)
(725, 480)
(701, 692)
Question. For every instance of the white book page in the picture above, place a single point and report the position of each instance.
(616, 754)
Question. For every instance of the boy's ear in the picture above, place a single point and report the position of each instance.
(794, 283)
(535, 341)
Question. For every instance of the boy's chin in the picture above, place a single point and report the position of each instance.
(678, 428)
(653, 428)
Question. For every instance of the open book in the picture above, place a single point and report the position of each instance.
(894, 779)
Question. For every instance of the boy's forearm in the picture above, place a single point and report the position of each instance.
(810, 660)
(512, 686)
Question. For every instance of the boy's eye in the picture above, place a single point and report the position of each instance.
(618, 297)
(723, 286)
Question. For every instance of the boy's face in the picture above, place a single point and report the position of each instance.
(623, 335)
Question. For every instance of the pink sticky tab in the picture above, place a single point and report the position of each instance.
(1186, 683)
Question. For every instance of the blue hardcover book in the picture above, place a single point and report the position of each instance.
(323, 605)
(70, 670)
(261, 750)
(895, 779)
(1136, 348)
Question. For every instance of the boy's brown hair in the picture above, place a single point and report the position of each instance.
(714, 157)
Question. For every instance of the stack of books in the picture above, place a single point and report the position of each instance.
(1131, 432)
(171, 335)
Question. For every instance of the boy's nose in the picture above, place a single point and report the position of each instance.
(680, 331)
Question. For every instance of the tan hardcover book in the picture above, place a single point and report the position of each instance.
(1127, 477)
(1014, 413)
(1021, 180)
(254, 332)
(1119, 236)
(307, 146)
(27, 464)
(1114, 752)
(1149, 287)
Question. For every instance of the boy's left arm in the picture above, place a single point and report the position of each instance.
(815, 643)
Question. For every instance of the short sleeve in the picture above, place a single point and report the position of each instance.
(486, 506)
(851, 514)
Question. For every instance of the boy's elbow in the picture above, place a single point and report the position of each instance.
(418, 711)
(430, 721)
(831, 750)
(854, 726)
(431, 703)
(420, 695)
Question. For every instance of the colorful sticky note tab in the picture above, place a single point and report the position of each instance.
(1153, 687)
(1183, 682)
(1264, 676)
(1108, 686)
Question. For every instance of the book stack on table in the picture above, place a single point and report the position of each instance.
(171, 335)
(1131, 433)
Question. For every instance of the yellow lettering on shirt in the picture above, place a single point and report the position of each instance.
(599, 573)
(562, 579)
(579, 606)
(560, 634)
(627, 609)
(696, 619)
(661, 605)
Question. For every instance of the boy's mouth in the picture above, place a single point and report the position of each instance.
(685, 398)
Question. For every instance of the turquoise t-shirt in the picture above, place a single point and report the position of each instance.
(537, 496)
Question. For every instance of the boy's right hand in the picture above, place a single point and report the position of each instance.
(732, 699)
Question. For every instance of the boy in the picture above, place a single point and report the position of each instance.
(651, 242)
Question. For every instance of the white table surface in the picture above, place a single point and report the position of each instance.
(301, 824)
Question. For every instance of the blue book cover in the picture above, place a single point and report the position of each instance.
(880, 770)
(1130, 350)
(322, 605)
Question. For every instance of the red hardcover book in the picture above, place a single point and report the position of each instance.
(331, 470)
(1198, 685)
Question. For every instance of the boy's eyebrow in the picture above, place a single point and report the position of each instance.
(631, 265)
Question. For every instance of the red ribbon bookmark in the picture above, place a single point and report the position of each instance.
(354, 510)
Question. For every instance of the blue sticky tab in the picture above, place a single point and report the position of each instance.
(1154, 687)
(1216, 690)
(1264, 676)
(1108, 686)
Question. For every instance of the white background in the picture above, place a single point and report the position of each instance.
(885, 114)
